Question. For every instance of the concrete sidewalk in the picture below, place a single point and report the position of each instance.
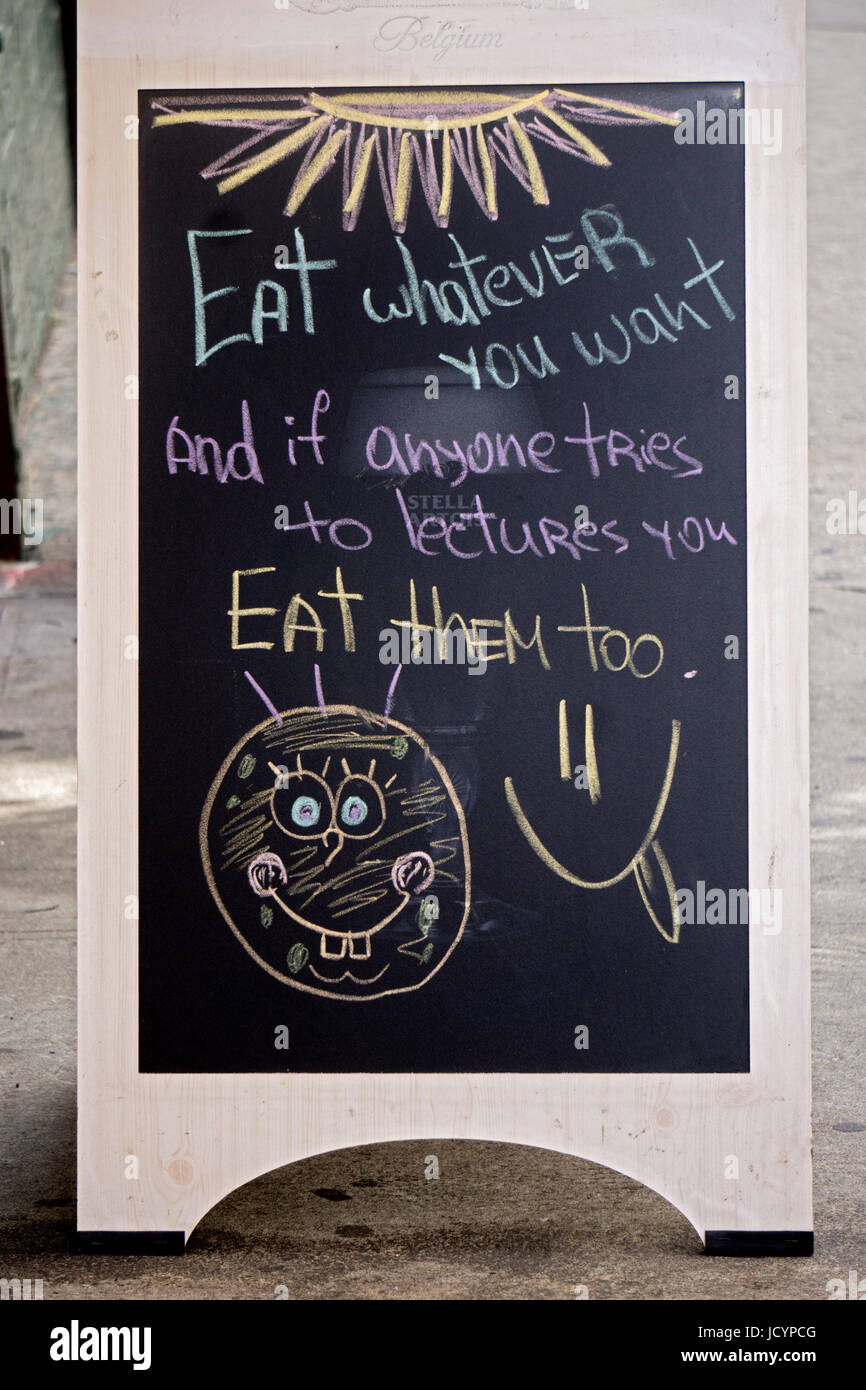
(500, 1222)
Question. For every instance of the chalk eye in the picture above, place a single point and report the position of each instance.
(302, 805)
(353, 811)
(360, 807)
(306, 812)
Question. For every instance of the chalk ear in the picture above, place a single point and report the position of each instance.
(413, 872)
(264, 873)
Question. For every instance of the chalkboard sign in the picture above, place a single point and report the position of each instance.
(443, 681)
(443, 712)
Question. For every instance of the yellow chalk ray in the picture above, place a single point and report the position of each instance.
(240, 114)
(447, 176)
(537, 185)
(404, 179)
(626, 107)
(273, 155)
(596, 155)
(359, 182)
(317, 166)
(486, 171)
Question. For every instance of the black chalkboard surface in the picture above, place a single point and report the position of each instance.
(443, 687)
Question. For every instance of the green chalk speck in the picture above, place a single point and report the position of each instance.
(428, 912)
(297, 957)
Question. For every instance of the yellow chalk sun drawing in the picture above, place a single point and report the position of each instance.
(427, 139)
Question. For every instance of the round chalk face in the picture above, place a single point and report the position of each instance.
(335, 847)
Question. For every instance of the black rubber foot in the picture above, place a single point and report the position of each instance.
(131, 1242)
(759, 1242)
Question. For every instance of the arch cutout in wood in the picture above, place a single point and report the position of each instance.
(716, 1242)
(177, 1181)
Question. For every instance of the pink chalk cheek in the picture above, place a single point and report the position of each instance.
(413, 872)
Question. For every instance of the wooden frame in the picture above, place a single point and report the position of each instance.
(197, 1137)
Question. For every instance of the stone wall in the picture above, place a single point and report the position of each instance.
(36, 209)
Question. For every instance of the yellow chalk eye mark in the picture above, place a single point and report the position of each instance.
(564, 749)
(591, 760)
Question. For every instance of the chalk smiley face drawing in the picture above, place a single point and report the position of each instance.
(335, 847)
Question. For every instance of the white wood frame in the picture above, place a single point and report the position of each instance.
(197, 1137)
